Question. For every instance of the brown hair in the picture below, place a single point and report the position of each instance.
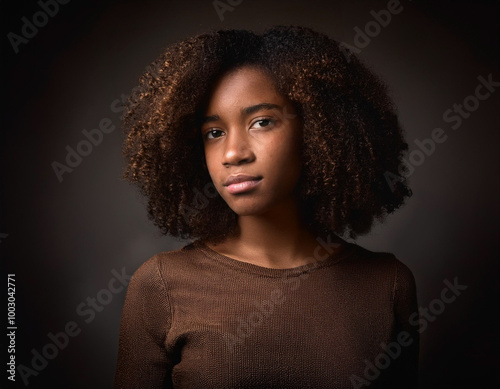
(352, 135)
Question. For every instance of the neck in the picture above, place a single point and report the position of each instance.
(275, 239)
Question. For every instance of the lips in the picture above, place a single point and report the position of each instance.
(241, 183)
(237, 178)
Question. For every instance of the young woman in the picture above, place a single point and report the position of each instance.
(263, 149)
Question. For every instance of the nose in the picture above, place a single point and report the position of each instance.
(237, 148)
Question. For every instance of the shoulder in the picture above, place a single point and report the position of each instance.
(156, 268)
(378, 261)
(382, 266)
(393, 278)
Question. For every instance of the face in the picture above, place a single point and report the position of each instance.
(252, 138)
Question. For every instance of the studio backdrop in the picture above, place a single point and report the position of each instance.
(72, 231)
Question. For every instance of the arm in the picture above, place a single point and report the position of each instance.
(145, 321)
(406, 331)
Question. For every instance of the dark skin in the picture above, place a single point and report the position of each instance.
(249, 128)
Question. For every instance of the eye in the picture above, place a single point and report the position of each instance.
(264, 122)
(212, 134)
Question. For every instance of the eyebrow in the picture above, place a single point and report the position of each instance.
(245, 111)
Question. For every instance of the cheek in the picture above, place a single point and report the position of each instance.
(286, 157)
(214, 177)
(212, 171)
(216, 171)
(283, 171)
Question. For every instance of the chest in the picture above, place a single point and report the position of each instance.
(292, 333)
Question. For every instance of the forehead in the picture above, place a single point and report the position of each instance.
(244, 86)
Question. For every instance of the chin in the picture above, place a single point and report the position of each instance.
(249, 209)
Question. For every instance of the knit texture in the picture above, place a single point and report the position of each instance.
(194, 318)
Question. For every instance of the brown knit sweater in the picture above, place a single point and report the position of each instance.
(194, 318)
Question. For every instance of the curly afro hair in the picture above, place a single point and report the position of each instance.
(351, 133)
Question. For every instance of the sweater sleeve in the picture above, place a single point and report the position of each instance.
(407, 334)
(145, 321)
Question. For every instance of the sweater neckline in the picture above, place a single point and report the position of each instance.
(247, 267)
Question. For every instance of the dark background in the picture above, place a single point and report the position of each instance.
(63, 239)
